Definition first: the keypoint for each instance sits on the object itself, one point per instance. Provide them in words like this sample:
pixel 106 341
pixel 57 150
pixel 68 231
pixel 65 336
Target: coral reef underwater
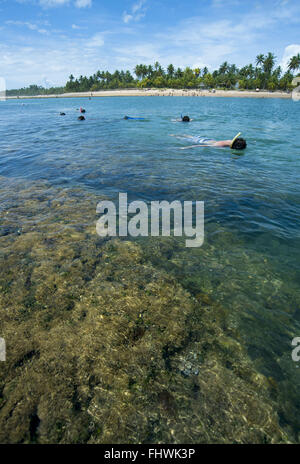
pixel 106 346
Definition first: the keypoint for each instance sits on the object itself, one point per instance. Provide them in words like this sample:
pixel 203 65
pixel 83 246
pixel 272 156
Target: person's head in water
pixel 185 119
pixel 239 144
pixel 81 118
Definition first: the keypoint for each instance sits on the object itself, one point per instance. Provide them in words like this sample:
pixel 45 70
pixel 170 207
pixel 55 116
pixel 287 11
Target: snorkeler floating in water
pixel 237 143
pixel 82 110
pixel 182 119
pixel 185 119
pixel 128 117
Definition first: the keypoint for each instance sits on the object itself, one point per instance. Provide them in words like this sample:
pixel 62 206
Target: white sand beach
pixel 167 93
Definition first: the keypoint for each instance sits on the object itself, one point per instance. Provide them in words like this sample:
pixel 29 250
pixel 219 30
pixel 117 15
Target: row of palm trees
pixel 263 75
pixel 101 80
pixel 35 90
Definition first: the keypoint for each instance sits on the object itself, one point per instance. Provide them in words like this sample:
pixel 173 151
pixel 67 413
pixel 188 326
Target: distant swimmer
pixel 182 119
pixel 81 118
pixel 237 143
pixel 82 110
pixel 128 117
pixel 185 119
pixel 62 114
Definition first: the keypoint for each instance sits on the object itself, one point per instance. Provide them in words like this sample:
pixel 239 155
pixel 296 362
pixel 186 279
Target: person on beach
pixel 237 143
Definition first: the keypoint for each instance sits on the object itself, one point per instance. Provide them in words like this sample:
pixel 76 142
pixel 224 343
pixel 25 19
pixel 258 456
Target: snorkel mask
pixel 236 137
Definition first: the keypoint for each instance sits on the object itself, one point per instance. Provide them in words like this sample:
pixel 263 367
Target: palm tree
pixel 170 70
pixel 269 63
pixel 244 72
pixel 138 70
pixel 251 71
pixel 159 70
pixel 294 63
pixel 128 77
pixel 150 71
pixel 232 69
pixel 223 68
pixel 178 73
pixel 277 72
pixel 260 59
pixel 197 72
pixel 157 66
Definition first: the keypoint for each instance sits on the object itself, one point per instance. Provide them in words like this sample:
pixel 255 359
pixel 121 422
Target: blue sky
pixel 44 41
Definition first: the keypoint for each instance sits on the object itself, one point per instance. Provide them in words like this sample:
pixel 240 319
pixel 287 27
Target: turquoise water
pixel 250 260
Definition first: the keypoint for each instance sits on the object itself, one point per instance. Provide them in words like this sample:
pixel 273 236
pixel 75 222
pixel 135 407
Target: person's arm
pixel 193 146
pixel 220 143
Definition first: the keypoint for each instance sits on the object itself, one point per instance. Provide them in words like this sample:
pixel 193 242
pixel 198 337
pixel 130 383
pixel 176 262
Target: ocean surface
pixel 249 264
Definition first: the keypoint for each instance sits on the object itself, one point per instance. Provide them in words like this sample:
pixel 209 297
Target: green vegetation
pixel 35 90
pixel 264 75
pixel 104 346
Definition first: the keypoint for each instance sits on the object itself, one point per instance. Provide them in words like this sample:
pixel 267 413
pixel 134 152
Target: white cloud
pixel 127 17
pixel 51 3
pixel 137 12
pixel 225 3
pixel 137 6
pixel 289 52
pixel 31 26
pixel 143 52
pixel 55 3
pixel 51 60
pixel 95 41
pixel 75 27
pixel 204 44
pixel 237 40
pixel 83 3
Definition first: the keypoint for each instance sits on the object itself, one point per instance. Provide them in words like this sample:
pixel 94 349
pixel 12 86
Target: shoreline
pixel 163 93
